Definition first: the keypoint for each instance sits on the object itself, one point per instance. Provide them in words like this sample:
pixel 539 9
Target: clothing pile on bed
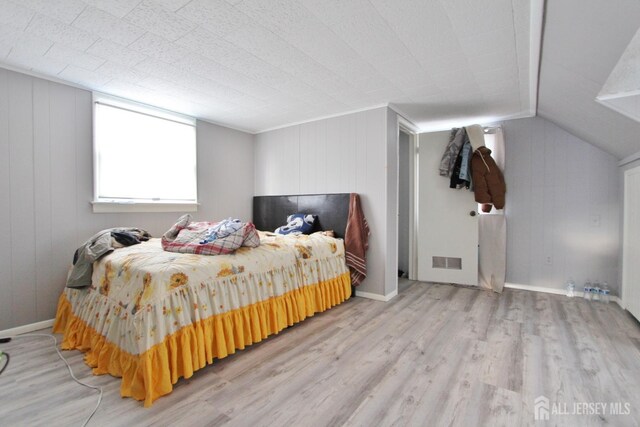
pixel 96 247
pixel 209 238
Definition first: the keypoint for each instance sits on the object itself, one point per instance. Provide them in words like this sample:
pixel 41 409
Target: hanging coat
pixel 456 139
pixel 458 175
pixel 488 181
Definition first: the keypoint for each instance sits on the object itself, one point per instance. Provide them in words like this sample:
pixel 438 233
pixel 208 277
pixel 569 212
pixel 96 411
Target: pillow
pixel 298 224
pixel 328 233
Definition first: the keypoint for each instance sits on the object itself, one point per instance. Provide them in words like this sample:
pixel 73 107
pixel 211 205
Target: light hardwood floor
pixel 434 355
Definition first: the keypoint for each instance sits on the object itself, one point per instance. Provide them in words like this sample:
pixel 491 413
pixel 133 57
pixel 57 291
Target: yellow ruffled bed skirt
pixel 150 375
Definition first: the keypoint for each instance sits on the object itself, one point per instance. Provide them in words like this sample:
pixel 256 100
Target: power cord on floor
pixel 4 356
pixel 55 346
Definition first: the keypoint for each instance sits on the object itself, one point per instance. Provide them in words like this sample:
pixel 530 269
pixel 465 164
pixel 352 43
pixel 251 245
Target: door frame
pixel 411 130
pixel 626 221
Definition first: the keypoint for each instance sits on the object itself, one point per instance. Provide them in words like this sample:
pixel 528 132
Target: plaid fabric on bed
pixel 191 238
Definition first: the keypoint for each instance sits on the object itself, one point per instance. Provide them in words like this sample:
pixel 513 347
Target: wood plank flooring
pixel 436 355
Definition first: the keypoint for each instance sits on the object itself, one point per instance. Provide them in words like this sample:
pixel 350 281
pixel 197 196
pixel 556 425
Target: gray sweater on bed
pixel 97 246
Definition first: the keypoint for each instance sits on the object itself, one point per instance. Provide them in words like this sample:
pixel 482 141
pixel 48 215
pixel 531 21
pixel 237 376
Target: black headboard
pixel 270 212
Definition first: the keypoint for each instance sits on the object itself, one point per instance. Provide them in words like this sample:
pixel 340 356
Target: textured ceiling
pixel 260 64
pixel 583 40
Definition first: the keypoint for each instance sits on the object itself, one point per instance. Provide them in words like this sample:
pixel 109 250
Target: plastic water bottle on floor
pixel 605 293
pixel 586 294
pixel 571 288
pixel 595 291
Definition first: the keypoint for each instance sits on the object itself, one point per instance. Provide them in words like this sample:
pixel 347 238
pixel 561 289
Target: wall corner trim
pixel 542 289
pixel 536 27
pixel 316 119
pixel 31 327
pixel 376 297
pixel 629 159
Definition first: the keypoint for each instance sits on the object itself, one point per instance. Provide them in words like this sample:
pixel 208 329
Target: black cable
pixel 6 363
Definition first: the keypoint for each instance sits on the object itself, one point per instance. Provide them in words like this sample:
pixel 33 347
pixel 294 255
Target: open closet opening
pixel 406 203
pixel 404 192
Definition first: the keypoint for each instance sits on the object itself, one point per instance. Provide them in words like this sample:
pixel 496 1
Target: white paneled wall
pixel 340 155
pixel 46 184
pixel 563 207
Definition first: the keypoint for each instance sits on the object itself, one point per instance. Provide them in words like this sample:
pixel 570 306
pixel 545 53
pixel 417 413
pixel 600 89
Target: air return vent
pixel 446 263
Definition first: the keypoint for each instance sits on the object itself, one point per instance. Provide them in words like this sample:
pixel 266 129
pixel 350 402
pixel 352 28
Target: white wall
pixel 338 155
pixel 225 173
pixel 563 202
pixel 46 184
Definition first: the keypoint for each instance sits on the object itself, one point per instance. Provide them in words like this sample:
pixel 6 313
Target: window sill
pixel 122 207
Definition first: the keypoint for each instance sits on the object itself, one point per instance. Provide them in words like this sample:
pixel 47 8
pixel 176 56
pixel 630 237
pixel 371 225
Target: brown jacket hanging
pixel 488 182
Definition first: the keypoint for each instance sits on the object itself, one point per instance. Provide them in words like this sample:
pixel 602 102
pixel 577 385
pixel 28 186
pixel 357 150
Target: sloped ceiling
pixel 583 40
pixel 260 64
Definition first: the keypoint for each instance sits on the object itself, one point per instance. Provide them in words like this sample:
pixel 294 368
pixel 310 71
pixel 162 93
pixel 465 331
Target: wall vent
pixel 448 263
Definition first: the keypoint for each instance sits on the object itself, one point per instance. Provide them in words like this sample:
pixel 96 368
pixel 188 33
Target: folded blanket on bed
pixel 209 238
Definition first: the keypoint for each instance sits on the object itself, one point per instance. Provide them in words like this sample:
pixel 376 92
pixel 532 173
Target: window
pixel 144 158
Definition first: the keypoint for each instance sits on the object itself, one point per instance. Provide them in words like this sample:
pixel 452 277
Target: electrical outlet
pixel 548 260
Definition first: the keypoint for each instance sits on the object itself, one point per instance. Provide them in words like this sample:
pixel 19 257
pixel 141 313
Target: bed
pixel 151 316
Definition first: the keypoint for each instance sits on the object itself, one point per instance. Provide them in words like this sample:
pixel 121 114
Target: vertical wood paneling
pixel 362 160
pixel 333 179
pixel 23 276
pixel 46 295
pixel 519 203
pixel 307 154
pixel 341 154
pixel 350 157
pixel 261 161
pixel 322 152
pixel 46 185
pixel 556 184
pixel 225 155
pixel 63 178
pixel 6 298
pixel 374 198
pixel 83 137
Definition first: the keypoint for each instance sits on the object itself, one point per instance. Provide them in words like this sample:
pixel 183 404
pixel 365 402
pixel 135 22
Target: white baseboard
pixel 383 298
pixel 555 291
pixel 27 328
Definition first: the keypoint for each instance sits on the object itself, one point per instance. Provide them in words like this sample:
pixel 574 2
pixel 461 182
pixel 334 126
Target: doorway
pixel 407 162
pixel 447 220
pixel 404 203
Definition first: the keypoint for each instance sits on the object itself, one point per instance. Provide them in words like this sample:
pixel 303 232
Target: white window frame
pixel 112 206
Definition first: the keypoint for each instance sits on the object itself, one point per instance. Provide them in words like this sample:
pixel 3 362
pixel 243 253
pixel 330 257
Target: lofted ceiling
pixel 261 64
pixel 583 41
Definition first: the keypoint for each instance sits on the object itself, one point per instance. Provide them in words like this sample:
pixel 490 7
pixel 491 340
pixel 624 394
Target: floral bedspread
pixel 141 294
